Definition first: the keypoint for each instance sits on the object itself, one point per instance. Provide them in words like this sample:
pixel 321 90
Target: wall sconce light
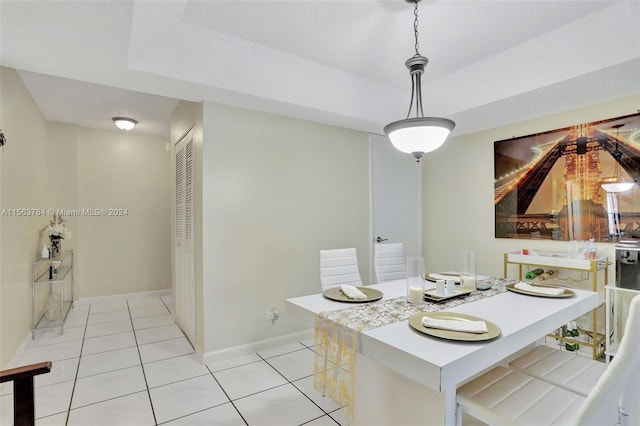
pixel 124 123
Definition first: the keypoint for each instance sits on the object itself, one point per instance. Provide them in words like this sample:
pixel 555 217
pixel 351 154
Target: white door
pixel 396 198
pixel 185 284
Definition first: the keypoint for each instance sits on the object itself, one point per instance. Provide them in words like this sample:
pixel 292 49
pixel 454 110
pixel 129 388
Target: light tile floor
pixel 127 364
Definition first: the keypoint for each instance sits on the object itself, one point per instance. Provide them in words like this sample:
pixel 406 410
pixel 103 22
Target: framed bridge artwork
pixel 551 185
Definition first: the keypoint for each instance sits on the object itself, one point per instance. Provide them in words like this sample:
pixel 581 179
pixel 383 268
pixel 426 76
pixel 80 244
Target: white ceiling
pixel 334 61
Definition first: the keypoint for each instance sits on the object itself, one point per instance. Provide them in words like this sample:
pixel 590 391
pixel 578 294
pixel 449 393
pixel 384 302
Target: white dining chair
pixel 509 397
pixel 339 266
pixel 564 369
pixel 390 263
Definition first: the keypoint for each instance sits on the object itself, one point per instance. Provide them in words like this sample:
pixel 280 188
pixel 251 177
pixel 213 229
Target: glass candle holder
pixel 468 270
pixel 415 280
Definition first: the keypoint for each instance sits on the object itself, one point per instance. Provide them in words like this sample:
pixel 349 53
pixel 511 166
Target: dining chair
pixel 505 396
pixel 564 369
pixel 339 266
pixel 390 263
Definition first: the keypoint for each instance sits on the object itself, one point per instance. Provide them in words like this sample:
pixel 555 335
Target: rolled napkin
pixel 540 290
pixel 433 276
pixel 456 325
pixel 352 292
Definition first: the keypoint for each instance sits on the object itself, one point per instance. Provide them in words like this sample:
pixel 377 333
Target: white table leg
pixel 450 408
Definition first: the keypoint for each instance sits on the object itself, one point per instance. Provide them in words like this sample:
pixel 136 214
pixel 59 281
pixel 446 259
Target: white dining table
pixel 404 377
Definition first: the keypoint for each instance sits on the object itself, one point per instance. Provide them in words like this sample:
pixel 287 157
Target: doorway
pixel 396 199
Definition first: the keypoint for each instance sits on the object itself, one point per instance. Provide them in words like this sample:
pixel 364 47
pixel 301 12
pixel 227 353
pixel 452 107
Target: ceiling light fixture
pixel 124 123
pixel 616 183
pixel 420 134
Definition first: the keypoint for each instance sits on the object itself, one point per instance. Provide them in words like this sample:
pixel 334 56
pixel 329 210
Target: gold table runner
pixel 337 333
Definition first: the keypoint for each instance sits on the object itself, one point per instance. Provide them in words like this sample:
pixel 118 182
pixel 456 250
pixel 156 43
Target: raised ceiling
pixel 339 62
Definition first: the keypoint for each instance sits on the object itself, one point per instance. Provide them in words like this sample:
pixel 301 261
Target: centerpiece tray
pixel 433 296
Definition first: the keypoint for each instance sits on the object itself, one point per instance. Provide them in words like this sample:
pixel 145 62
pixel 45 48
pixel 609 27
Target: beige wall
pixel 126 253
pixel 459 177
pixel 275 191
pixel 24 180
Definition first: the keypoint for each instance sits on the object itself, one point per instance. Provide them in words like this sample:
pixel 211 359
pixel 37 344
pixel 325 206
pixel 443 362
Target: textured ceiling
pixel 334 61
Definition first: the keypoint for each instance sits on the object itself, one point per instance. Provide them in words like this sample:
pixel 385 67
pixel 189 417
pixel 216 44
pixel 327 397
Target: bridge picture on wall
pixel 549 185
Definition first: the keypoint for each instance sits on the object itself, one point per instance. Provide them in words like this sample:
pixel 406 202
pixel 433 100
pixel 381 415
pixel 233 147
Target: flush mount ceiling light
pixel 616 183
pixel 420 134
pixel 124 123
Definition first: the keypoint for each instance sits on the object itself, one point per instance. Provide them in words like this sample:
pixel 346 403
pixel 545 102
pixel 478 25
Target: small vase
pixel 52 310
pixel 56 246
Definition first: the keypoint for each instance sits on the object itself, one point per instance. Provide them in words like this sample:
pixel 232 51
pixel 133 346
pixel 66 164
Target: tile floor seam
pixel 292 384
pixel 157 341
pixel 258 392
pixel 313 420
pixel 163 359
pixel 165 305
pixel 75 379
pixel 108 399
pixel 326 412
pixel 148 316
pixel 144 374
pixel 227 395
pixel 283 353
pixel 196 412
pixel 110 350
pixel 109 371
pixel 235 366
pixel 177 381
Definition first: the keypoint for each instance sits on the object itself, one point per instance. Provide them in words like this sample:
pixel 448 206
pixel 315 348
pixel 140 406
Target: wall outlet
pixel 272 315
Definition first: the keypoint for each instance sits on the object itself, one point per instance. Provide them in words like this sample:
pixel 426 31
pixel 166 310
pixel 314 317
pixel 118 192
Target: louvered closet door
pixel 185 285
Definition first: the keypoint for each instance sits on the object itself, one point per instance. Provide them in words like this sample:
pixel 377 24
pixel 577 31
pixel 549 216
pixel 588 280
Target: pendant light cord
pixel 415 27
pixel 416 84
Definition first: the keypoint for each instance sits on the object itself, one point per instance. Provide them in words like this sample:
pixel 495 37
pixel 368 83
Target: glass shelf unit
pixel 40 277
pixel 559 261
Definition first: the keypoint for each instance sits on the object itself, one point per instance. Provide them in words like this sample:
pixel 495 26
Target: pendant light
pixel 420 134
pixel 616 183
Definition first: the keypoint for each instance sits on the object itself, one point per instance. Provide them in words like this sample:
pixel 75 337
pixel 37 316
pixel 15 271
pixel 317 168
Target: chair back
pixel 389 262
pixel 620 383
pixel 339 266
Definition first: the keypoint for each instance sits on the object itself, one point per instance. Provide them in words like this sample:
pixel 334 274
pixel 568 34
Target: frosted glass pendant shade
pixel 418 136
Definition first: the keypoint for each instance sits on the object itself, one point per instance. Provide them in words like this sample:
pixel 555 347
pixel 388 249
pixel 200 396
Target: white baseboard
pixel 121 297
pixel 253 347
